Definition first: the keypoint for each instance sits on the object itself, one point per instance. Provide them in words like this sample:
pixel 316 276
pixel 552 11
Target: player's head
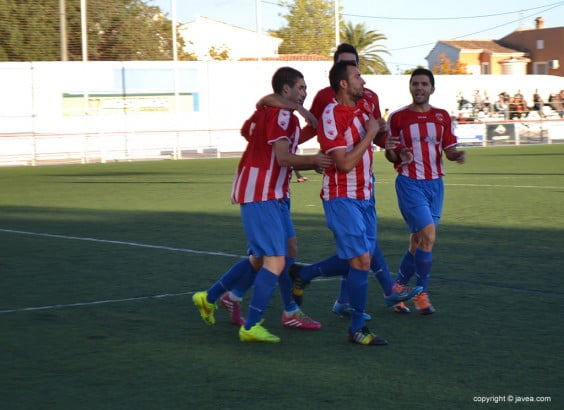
pixel 423 71
pixel 344 76
pixel 345 52
pixel 289 83
pixel 421 86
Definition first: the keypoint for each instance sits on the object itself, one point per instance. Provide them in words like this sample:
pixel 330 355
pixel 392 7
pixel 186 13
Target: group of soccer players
pixel 347 121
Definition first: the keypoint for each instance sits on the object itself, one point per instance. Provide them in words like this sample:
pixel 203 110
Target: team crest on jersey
pixel 283 119
pixel 439 116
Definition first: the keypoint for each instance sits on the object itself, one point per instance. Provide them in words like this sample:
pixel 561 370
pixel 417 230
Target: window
pixel 540 44
pixel 540 67
pixel 485 68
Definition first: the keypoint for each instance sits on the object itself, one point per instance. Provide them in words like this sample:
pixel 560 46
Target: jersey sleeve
pixel 449 139
pixel 320 101
pixel 329 135
pixel 279 126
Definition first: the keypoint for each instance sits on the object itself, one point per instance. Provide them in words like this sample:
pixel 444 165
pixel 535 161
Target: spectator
pixel 538 102
pixel 500 106
pixel 557 102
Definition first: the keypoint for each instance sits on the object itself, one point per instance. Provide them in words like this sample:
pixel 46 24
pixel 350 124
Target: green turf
pixel 497 285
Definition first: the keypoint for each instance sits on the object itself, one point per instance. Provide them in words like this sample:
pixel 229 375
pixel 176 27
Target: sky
pixel 412 28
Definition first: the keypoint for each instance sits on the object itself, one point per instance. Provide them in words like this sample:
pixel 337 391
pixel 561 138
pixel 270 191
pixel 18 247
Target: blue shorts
pixel 353 223
pixel 420 201
pixel 268 227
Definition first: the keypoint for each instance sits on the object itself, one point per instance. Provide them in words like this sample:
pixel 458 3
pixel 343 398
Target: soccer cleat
pixel 344 309
pixel 298 284
pixel 257 333
pixel 365 337
pixel 423 305
pixel 234 309
pixel 299 320
pixel 206 308
pixel 401 293
pixel 401 308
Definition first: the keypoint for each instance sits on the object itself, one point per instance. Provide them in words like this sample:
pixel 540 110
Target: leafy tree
pixel 448 67
pixel 217 53
pixel 310 29
pixel 366 44
pixel 117 30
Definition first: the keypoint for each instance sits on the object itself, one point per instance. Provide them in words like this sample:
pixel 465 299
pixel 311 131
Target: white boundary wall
pixel 35 127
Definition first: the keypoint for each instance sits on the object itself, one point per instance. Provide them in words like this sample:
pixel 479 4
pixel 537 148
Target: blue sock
pixel 423 262
pixel 229 279
pixel 332 266
pixel 380 268
pixel 244 283
pixel 357 282
pixel 343 297
pixel 265 283
pixel 285 285
pixel 407 268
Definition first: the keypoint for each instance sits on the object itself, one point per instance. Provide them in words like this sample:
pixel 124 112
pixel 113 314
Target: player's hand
pixel 456 155
pixel 308 117
pixel 392 142
pixel 372 125
pixel 406 156
pixel 322 161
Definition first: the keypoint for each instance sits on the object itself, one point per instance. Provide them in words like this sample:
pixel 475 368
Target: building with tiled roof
pixel 531 51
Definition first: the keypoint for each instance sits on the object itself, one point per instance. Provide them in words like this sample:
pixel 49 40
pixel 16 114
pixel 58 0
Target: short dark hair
pixel 345 48
pixel 283 76
pixel 339 72
pixel 423 71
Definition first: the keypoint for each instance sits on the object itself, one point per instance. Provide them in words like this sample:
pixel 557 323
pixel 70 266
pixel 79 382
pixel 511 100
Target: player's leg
pixel 265 231
pixel 292 317
pixel 206 301
pixel 351 222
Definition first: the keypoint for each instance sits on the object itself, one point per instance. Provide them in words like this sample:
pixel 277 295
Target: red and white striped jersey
pixel 428 134
pixel 369 102
pixel 259 177
pixel 343 127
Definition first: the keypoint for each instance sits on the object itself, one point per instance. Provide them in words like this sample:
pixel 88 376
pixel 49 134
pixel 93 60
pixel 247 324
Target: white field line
pixel 124 243
pixel 173 249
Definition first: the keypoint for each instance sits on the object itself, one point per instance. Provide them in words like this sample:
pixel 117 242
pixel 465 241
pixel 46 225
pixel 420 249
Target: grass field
pixel 99 263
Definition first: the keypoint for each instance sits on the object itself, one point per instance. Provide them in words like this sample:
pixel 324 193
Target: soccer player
pixel 346 133
pixel 261 189
pixel 418 134
pixel 370 102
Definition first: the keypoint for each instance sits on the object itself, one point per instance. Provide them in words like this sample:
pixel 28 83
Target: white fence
pixel 55 112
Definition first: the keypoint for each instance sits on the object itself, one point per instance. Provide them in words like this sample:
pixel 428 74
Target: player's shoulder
pixel 369 95
pixel 400 112
pixel 440 114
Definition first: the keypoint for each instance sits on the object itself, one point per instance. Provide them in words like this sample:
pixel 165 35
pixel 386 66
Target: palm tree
pixel 366 44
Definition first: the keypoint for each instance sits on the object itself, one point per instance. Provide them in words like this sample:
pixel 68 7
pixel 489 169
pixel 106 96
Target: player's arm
pixel 396 152
pixel 307 133
pixel 380 138
pixel 286 159
pixel 346 161
pixel 276 100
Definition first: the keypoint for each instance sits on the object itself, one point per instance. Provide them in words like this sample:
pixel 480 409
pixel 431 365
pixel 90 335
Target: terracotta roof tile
pixel 290 57
pixel 486 45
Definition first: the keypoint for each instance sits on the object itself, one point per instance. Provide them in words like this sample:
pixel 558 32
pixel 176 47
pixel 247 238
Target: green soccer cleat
pixel 206 308
pixel 257 333
pixel 365 337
